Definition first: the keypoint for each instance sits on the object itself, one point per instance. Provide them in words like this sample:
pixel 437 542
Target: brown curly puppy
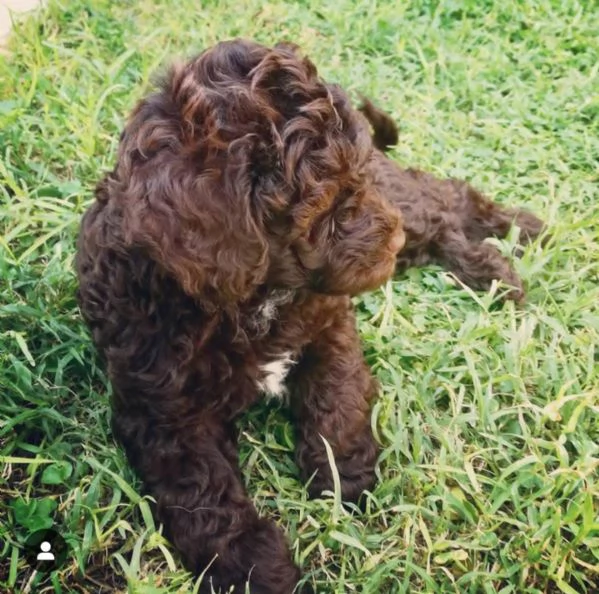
pixel 446 221
pixel 220 253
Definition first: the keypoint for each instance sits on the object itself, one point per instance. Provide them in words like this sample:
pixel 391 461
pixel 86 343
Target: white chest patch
pixel 274 374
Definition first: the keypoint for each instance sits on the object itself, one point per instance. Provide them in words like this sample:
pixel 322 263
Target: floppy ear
pixel 196 223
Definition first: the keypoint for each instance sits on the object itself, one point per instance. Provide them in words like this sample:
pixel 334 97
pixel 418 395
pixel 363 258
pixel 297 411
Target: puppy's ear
pixel 195 222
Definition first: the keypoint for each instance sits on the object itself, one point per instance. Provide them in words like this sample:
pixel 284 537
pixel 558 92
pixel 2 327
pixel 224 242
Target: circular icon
pixel 45 550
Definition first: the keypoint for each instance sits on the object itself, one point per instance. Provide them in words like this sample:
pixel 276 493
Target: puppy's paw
pixel 512 288
pixel 355 471
pixel 263 552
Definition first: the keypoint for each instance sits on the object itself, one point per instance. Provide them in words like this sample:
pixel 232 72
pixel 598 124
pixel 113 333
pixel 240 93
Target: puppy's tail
pixel 385 131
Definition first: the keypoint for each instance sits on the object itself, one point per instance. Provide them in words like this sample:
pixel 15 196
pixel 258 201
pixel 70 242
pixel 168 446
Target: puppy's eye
pixel 341 218
pixel 332 226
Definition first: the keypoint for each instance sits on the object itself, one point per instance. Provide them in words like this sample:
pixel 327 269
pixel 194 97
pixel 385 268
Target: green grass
pixel 488 417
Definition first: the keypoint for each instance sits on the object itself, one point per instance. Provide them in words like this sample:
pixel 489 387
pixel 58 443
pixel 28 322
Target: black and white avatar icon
pixel 45 555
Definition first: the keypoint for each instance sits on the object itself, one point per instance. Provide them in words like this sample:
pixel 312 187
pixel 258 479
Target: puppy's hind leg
pixel 484 218
pixel 476 264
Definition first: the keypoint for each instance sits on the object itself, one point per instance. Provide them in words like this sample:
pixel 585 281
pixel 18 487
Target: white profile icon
pixel 45 555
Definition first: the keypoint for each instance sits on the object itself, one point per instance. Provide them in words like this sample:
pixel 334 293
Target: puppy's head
pixel 246 170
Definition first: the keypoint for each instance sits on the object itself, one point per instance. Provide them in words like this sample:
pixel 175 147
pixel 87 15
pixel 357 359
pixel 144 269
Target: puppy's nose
pixel 397 241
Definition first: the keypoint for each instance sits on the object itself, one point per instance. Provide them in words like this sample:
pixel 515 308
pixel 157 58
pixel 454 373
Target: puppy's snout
pixel 398 239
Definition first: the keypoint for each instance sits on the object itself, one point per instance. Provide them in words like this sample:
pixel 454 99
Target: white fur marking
pixel 268 309
pixel 275 373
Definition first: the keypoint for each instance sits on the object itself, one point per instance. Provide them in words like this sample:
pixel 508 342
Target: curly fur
pixel 446 221
pixel 240 217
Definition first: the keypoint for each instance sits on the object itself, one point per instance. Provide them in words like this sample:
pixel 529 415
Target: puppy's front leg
pixel 331 391
pixel 190 468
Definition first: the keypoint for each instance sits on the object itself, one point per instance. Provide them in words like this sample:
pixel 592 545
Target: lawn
pixel 488 416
